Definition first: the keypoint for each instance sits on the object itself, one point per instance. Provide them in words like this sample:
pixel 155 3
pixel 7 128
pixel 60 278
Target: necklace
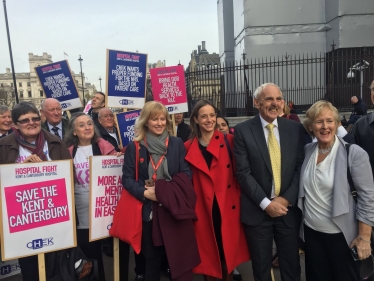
pixel 82 150
pixel 203 143
pixel 326 150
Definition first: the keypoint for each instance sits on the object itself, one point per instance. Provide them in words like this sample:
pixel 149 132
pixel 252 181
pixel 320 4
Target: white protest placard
pixel 37 204
pixel 105 191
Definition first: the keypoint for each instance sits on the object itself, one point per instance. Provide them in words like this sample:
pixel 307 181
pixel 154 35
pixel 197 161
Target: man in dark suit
pixel 5 121
pixel 363 132
pixel 54 123
pixel 269 153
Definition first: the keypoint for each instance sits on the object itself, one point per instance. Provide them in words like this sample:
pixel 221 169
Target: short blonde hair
pixel 315 110
pixel 150 110
pixel 286 109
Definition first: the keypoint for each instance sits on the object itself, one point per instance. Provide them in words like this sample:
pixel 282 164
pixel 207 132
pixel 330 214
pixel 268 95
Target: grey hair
pixel 262 87
pixel 3 109
pixel 70 139
pixel 102 109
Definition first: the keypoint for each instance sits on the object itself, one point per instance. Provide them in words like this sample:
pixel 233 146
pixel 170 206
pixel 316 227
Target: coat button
pixel 233 207
pixel 160 205
pixel 221 145
pixel 217 137
pixel 228 165
pixel 229 186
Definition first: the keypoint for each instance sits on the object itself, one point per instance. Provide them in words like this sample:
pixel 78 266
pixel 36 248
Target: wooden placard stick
pixel 116 260
pixel 174 127
pixel 41 265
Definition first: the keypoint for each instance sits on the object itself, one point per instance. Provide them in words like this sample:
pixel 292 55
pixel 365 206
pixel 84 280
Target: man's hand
pixel 276 209
pixel 282 200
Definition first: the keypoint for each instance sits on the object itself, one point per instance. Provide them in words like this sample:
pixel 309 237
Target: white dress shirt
pixel 59 126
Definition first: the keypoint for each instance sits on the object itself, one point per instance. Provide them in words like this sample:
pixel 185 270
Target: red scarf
pixel 36 148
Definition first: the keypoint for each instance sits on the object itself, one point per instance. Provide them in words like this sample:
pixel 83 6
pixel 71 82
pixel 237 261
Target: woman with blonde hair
pixel 334 222
pixel 164 188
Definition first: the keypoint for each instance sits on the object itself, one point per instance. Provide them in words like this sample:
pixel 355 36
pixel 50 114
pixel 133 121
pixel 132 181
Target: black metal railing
pixel 303 79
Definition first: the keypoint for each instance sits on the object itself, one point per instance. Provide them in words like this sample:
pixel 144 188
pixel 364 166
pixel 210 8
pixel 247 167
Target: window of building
pixel 2 84
pixel 41 93
pixel 28 84
pixel 29 94
pixel 11 84
pixel 21 94
pixel 20 84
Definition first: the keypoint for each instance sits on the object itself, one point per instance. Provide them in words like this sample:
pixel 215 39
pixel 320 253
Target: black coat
pixel 183 131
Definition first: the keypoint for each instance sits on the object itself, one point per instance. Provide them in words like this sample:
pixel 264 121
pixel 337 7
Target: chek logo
pixel 126 102
pixel 172 108
pixel 9 268
pixel 65 105
pixel 40 243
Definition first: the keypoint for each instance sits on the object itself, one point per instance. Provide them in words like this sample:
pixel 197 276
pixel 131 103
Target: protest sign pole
pixel 173 122
pixel 116 258
pixel 41 265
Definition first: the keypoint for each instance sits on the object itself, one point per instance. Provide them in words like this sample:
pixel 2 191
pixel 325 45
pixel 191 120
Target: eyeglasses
pixel 108 116
pixel 28 120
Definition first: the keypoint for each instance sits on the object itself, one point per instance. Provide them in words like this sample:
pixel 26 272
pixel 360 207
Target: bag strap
pixel 136 160
pixel 349 176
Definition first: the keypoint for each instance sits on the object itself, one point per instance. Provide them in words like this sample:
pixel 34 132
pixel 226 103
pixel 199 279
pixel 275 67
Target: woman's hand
pixel 32 159
pixel 150 193
pixel 363 247
pixel 118 154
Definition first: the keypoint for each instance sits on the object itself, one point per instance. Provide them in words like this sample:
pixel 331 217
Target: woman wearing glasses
pixel 30 143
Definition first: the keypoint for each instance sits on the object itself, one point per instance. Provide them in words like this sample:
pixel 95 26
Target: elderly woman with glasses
pixel 29 143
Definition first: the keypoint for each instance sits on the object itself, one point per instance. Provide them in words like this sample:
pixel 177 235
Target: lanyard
pixel 155 167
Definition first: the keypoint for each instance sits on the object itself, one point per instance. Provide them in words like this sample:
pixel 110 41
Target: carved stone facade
pixel 28 86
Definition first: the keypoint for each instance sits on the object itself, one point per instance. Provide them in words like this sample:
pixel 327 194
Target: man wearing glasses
pixel 54 123
pixel 363 131
pixel 107 127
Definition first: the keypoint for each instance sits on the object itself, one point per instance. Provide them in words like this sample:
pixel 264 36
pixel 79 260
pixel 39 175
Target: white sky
pixel 164 29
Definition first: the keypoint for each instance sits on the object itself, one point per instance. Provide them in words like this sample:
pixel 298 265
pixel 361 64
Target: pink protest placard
pixel 37 208
pixel 105 192
pixel 37 204
pixel 169 88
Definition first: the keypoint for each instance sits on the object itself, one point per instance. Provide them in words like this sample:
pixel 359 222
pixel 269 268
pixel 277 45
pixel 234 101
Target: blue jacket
pixel 176 164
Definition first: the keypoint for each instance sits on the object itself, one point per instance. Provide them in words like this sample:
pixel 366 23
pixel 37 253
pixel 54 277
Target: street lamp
pixel 361 66
pixel 84 99
pixel 100 83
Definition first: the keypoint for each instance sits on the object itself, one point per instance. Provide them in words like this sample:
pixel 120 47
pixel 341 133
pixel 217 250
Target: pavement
pixel 245 270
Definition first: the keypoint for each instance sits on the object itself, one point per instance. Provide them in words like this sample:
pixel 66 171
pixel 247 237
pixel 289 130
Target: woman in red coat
pixel 220 235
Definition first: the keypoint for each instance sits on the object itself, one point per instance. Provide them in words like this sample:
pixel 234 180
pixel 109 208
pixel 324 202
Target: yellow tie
pixel 275 158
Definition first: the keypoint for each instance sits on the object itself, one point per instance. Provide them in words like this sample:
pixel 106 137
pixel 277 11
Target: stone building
pixel 28 86
pixel 203 76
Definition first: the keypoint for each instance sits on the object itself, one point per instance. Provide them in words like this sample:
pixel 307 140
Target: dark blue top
pixel 175 156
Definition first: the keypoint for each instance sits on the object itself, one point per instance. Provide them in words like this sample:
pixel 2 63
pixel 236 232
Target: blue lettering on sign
pixel 40 243
pixel 126 102
pixel 172 108
pixel 65 105
pixel 7 269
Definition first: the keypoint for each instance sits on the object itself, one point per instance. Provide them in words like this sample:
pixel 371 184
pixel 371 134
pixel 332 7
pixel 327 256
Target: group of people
pixel 212 197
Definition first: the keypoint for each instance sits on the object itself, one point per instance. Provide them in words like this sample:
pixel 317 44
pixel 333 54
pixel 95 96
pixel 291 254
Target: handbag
pixel 367 265
pixel 127 218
